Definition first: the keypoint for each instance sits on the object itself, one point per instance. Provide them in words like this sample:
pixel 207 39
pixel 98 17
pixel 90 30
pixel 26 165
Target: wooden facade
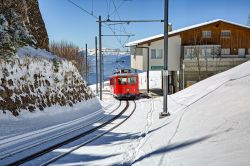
pixel 239 36
pixel 206 49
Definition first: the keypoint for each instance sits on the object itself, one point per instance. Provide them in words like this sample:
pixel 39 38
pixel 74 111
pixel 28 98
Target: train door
pixel 133 84
pixel 122 82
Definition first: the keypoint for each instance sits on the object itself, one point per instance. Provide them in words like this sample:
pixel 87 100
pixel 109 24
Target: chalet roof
pixel 175 32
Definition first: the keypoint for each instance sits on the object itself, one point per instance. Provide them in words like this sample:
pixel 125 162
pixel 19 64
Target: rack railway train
pixel 124 84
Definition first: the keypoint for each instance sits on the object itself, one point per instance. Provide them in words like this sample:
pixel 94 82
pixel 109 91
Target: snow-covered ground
pixel 209 125
pixel 28 122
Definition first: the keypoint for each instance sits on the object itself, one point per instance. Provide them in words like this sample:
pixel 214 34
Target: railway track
pixel 7 142
pixel 53 143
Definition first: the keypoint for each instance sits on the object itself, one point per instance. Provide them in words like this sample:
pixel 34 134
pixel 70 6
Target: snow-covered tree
pixel 13 34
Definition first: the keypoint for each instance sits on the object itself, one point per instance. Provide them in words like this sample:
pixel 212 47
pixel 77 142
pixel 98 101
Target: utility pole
pixel 118 21
pixel 100 54
pixel 86 62
pixel 96 65
pixel 148 71
pixel 183 70
pixel 165 68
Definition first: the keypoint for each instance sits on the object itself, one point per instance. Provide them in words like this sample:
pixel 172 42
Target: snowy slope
pixel 209 125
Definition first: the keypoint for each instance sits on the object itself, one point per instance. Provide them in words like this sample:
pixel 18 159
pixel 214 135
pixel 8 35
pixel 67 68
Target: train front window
pixel 131 80
pixel 122 81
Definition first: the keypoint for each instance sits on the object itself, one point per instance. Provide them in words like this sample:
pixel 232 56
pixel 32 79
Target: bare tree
pixel 196 50
pixel 70 52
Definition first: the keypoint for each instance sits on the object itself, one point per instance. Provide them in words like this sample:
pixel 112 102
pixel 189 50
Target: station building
pixel 195 52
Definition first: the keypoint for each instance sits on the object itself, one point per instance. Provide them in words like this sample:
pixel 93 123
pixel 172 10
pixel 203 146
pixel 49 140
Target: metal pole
pixel 100 54
pixel 119 35
pixel 86 61
pixel 96 65
pixel 183 82
pixel 165 68
pixel 148 70
pixel 131 21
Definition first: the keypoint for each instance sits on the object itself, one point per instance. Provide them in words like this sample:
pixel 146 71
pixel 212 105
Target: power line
pixel 118 15
pixel 122 25
pixel 91 14
pixel 94 16
pixel 120 5
pixel 108 8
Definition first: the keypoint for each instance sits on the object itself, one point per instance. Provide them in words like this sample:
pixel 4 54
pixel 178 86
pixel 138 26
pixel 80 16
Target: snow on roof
pixel 134 43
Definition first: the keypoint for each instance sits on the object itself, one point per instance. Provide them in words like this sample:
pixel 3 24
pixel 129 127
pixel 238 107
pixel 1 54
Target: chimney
pixel 169 27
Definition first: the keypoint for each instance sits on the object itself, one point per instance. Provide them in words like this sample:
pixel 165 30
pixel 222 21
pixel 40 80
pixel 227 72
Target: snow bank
pixel 54 115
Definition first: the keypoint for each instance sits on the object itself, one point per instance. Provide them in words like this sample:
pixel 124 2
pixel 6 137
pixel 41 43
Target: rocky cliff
pixel 30 77
pixel 29 18
pixel 35 79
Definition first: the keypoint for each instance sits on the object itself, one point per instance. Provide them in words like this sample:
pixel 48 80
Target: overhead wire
pixel 92 14
pixel 122 25
pixel 120 5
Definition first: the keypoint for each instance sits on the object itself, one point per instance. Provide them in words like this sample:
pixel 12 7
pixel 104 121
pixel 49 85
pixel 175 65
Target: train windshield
pixel 131 80
pixel 122 80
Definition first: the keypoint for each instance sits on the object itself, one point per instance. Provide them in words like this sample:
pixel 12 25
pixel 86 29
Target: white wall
pixel 174 52
pixel 136 58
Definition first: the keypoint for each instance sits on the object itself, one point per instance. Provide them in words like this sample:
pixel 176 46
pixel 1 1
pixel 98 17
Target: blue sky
pixel 64 21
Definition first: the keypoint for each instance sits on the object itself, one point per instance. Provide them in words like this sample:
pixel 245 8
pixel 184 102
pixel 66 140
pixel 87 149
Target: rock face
pixel 36 79
pixel 29 13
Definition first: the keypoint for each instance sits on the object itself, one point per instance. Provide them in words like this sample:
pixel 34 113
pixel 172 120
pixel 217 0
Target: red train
pixel 124 85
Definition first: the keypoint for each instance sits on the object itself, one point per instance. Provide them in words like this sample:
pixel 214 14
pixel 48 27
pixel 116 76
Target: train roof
pixel 125 74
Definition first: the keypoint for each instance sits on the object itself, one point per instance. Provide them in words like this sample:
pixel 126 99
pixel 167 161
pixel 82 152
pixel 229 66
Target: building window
pixel 242 52
pixel 206 34
pixel 225 33
pixel 156 53
pixel 206 52
pixel 225 51
pixel 188 53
